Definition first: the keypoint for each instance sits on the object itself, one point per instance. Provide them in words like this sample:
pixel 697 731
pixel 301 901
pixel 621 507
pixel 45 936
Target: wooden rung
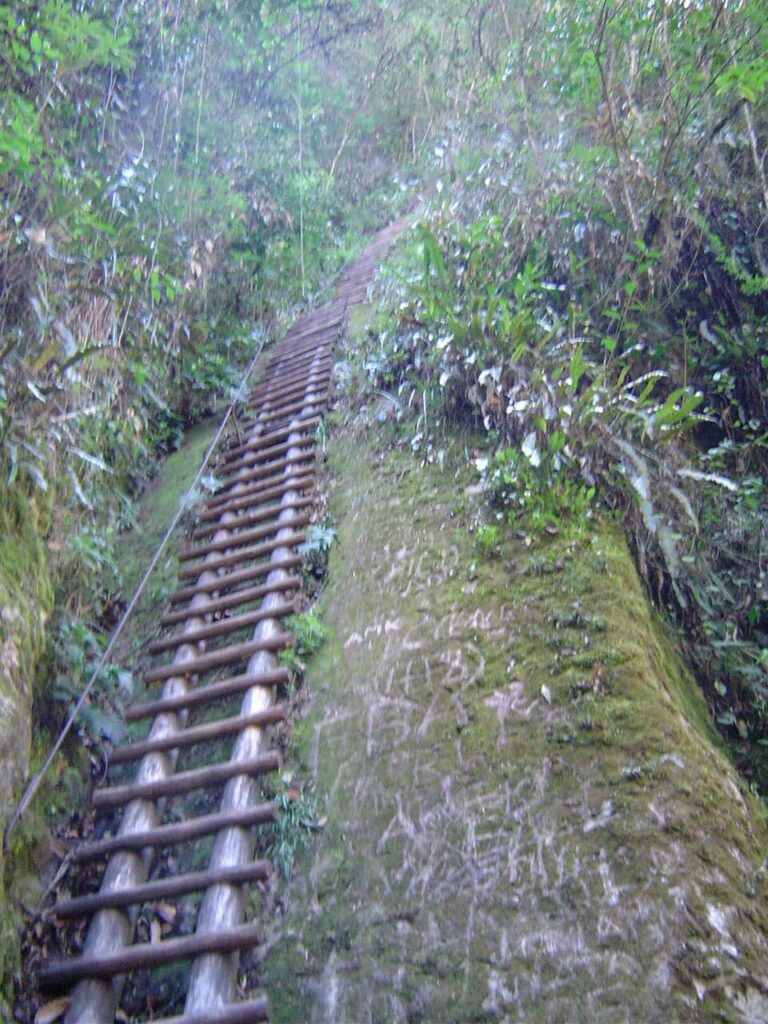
pixel 245 554
pixel 255 458
pixel 257 440
pixel 231 579
pixel 286 410
pixel 297 386
pixel 259 492
pixel 254 489
pixel 317 379
pixel 206 694
pixel 222 627
pixel 315 352
pixel 252 1012
pixel 162 889
pixel 259 515
pixel 234 600
pixel 147 955
pixel 215 659
pixel 241 538
pixel 298 338
pixel 316 375
pixel 178 832
pixel 293 369
pixel 184 782
pixel 199 734
pixel 269 469
pixel 311 330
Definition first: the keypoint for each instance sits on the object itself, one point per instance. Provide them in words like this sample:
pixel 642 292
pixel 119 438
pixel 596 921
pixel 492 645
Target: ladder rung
pixel 222 627
pixel 148 955
pixel 203 694
pixel 178 832
pixel 163 888
pixel 217 658
pixel 182 782
pixel 198 734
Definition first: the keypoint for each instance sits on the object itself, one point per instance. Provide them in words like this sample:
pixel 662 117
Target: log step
pixel 258 515
pixel 199 734
pixel 241 538
pixel 291 370
pixel 255 443
pixel 252 1012
pixel 204 694
pixel 297 387
pixel 184 782
pixel 234 600
pixel 231 579
pixel 287 410
pixel 254 489
pixel 264 455
pixel 148 955
pixel 244 498
pixel 222 627
pixel 215 659
pixel 163 889
pixel 178 832
pixel 245 554
pixel 269 469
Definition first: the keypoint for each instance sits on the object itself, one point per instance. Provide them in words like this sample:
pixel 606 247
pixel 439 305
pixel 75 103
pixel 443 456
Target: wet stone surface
pixel 495 851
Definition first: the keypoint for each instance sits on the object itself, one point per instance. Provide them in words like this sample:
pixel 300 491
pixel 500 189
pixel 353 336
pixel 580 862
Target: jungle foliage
pixel 590 284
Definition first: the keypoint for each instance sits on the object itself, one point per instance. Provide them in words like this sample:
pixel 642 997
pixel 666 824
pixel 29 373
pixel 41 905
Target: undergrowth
pixel 490 323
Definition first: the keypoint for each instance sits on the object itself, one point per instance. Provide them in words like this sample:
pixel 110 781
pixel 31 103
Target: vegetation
pixel 590 283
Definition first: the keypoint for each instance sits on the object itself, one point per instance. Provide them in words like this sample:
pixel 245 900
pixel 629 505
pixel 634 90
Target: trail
pixel 221 637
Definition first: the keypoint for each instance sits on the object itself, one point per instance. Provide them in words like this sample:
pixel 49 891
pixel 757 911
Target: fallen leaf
pixel 52 1011
pixel 35 235
pixel 546 693
pixel 166 912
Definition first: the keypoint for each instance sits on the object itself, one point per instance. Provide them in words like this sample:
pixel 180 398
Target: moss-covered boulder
pixel 529 816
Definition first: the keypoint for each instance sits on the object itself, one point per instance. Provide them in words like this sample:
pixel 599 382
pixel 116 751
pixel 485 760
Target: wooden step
pixel 233 600
pixel 253 443
pixel 245 554
pixel 249 496
pixel 162 889
pixel 178 832
pixel 204 694
pixel 218 658
pixel 252 1012
pixel 269 469
pixel 222 627
pixel 199 734
pixel 111 797
pixel 148 955
pixel 231 579
pixel 241 537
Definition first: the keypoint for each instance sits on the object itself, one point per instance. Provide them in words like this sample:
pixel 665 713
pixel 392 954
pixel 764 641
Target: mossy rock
pixel 530 816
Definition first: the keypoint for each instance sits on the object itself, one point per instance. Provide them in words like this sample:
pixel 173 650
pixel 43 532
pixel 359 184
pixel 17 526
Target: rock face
pixel 529 817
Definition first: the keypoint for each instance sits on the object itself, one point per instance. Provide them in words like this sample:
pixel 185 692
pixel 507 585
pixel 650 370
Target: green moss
pixel 26 602
pixel 160 503
pixel 458 793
